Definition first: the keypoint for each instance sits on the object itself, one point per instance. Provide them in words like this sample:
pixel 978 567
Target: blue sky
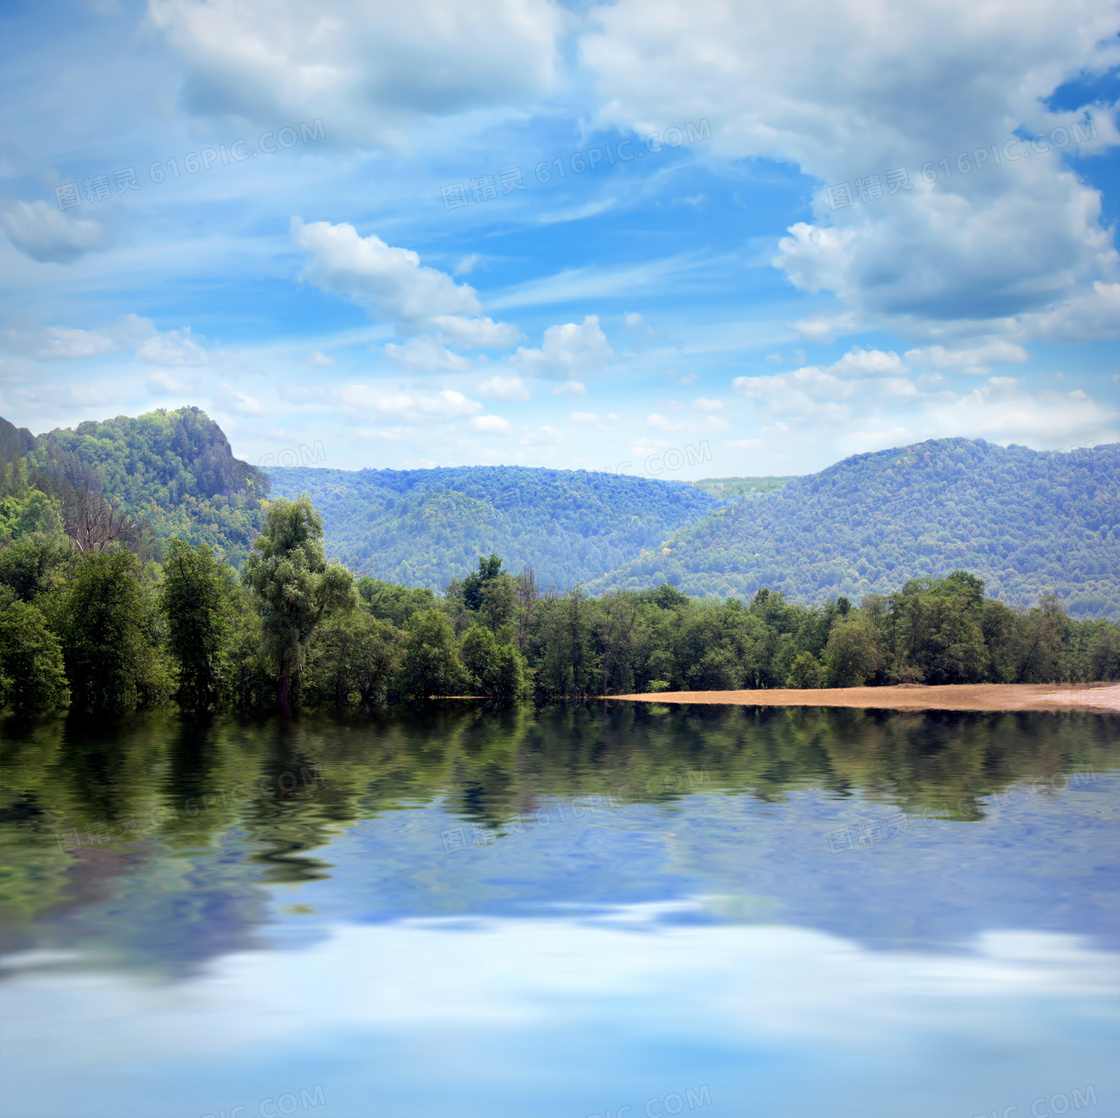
pixel 769 278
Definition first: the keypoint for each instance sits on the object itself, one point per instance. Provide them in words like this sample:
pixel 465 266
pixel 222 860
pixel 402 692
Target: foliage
pixel 293 585
pixel 171 474
pixel 197 600
pixel 427 527
pixel 32 675
pixel 107 623
pixel 1026 523
pixel 430 663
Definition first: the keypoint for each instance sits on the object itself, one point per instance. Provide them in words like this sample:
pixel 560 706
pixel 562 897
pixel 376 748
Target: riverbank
pixel 912 696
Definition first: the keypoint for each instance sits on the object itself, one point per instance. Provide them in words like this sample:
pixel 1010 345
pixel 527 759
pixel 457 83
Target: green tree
pixel 497 669
pixel 351 659
pixel 106 620
pixel 853 654
pixel 293 585
pixel 805 672
pixel 430 663
pixel 197 601
pixel 32 674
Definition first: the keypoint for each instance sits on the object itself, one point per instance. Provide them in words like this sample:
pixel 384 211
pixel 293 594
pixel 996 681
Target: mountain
pixel 174 473
pixel 1026 522
pixel 426 527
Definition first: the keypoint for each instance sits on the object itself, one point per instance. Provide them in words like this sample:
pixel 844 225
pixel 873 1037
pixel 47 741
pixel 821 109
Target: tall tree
pixel 293 586
pixel 197 601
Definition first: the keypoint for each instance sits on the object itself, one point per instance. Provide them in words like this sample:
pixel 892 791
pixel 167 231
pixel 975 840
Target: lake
pixel 616 910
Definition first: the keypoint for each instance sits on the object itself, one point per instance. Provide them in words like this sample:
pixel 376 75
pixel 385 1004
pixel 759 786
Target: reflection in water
pixel 640 901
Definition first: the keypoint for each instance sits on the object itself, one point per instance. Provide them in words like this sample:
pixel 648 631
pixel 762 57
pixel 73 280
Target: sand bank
pixel 964 696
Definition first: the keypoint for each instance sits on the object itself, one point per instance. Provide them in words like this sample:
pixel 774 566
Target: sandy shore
pixel 978 696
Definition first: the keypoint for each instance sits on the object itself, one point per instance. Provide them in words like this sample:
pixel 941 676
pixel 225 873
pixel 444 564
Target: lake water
pixel 720 911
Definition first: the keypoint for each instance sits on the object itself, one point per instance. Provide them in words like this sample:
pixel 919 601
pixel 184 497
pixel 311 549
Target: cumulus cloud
pixel 320 360
pixel 977 361
pixel 573 388
pixel 239 401
pixel 153 347
pixel 48 235
pixel 503 388
pixel 395 286
pixel 583 417
pixel 392 281
pixel 701 403
pixel 370 404
pixel 821 328
pixel 566 351
pixel 1015 249
pixel 369 71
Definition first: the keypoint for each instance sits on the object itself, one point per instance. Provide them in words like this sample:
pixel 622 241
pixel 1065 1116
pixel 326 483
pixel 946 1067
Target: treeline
pixel 107 630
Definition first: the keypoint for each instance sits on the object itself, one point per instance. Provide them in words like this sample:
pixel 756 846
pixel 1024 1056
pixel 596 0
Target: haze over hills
pixel 1026 522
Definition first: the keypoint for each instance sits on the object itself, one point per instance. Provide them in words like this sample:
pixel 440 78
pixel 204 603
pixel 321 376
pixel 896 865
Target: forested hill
pixel 426 527
pixel 1026 522
pixel 172 473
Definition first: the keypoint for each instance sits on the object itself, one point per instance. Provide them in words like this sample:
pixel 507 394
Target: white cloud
pixel 391 281
pixel 467 264
pixel 240 402
pixel 543 436
pixel 567 350
pixel 175 347
pixel 977 361
pixel 703 404
pixel 369 71
pixel 163 383
pixel 583 417
pixel 572 388
pixel 503 388
pixel 423 355
pixel 822 328
pixel 632 320
pixel 368 403
pixel 494 424
pixel 477 333
pixel 869 363
pixel 320 360
pixel 1015 249
pixel 49 235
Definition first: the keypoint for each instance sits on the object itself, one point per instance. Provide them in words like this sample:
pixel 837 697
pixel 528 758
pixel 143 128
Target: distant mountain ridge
pixel 426 527
pixel 1025 521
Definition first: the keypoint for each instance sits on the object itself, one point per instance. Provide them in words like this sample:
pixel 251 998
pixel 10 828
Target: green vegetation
pixel 730 488
pixel 108 632
pixel 427 527
pixel 1026 523
pixel 137 481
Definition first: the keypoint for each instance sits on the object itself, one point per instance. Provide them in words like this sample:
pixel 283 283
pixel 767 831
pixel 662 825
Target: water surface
pixel 562 913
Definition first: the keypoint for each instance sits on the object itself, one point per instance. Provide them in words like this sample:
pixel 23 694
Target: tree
pixel 852 653
pixel 430 662
pixel 805 672
pixel 293 586
pixel 105 619
pixel 32 675
pixel 351 659
pixel 197 602
pixel 497 669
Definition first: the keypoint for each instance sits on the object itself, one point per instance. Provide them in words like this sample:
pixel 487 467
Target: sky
pixel 669 239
